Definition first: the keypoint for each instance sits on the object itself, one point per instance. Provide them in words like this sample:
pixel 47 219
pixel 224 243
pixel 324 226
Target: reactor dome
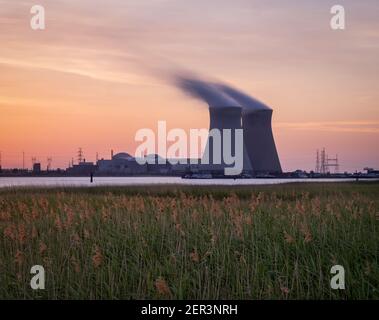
pixel 122 156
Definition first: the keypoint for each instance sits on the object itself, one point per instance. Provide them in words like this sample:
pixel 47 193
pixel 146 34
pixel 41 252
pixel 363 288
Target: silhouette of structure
pixel 260 142
pixel 258 137
pixel 223 118
pixel 324 163
pixel 230 108
pixel 49 162
pixel 80 155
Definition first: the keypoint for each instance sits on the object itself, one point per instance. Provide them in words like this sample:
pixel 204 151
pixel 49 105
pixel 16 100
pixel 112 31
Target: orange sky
pixel 92 78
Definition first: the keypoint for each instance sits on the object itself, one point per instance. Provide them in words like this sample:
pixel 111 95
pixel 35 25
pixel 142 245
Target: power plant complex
pixel 230 110
pixel 249 141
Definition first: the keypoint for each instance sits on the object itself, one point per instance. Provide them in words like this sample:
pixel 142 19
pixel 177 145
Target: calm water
pixel 135 181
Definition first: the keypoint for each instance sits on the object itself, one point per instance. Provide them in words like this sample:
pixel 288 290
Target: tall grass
pixel 276 242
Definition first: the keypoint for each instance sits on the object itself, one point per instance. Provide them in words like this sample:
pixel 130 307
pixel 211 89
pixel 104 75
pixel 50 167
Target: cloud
pixel 332 126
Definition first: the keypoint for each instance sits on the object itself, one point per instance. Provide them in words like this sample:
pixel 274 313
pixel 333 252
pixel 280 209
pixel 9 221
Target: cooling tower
pixel 260 142
pixel 224 118
pixel 257 128
pixel 230 108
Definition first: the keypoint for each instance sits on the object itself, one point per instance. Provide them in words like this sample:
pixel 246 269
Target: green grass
pixel 269 242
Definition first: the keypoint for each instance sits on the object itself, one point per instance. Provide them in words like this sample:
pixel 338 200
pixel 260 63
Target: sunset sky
pixel 93 77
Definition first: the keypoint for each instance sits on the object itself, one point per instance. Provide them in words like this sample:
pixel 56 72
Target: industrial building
pixel 120 164
pixel 123 164
pixel 36 167
pixel 84 168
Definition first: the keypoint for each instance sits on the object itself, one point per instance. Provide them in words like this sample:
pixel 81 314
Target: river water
pixel 137 181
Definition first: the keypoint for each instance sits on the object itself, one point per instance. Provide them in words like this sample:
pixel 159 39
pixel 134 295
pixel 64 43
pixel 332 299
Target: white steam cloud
pixel 217 95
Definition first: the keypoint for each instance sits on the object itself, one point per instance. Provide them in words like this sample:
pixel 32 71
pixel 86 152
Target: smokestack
pixel 260 142
pixel 111 153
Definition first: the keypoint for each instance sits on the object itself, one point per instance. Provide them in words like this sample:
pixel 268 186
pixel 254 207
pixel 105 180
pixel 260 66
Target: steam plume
pixel 217 95
pixel 249 103
pixel 205 91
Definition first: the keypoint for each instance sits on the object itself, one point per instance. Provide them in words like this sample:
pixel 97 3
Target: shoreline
pixel 77 182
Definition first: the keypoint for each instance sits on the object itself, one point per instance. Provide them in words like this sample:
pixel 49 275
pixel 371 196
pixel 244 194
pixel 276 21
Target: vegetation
pixel 271 242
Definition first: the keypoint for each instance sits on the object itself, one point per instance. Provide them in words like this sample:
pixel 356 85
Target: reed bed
pixel 171 242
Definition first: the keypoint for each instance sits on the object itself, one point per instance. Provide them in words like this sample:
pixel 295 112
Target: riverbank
pixel 42 182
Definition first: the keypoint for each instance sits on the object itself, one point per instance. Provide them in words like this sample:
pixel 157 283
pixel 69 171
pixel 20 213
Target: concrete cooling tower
pixel 258 137
pixel 259 141
pixel 230 108
pixel 224 118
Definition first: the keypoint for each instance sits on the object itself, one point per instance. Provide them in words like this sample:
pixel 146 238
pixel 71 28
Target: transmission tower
pixel 80 155
pixel 49 161
pixel 333 163
pixel 318 161
pixel 324 163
